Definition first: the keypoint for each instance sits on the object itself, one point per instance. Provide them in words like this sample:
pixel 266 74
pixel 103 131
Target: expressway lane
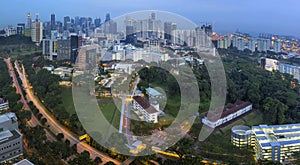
pixel 34 121
pixel 56 127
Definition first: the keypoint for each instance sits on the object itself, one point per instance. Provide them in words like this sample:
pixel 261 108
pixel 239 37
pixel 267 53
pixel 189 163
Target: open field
pixel 108 108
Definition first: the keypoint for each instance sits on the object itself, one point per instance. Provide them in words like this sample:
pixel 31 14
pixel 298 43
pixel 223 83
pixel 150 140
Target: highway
pixel 55 126
pixel 34 121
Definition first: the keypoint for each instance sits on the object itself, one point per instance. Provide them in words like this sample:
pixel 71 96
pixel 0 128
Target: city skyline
pixel 226 17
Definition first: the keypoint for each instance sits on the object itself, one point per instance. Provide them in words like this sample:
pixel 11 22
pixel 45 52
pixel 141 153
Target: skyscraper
pixel 37 30
pixel 66 21
pixel 97 22
pixel 107 18
pixel 53 27
pixel 28 21
pixel 168 28
pixel 153 16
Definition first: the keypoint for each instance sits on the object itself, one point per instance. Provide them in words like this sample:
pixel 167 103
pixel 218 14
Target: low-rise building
pixel 230 112
pixel 154 93
pixel 11 145
pixel 3 104
pixel 241 136
pixel 269 64
pixel 270 142
pixel 145 110
pixel 290 69
pixel 276 143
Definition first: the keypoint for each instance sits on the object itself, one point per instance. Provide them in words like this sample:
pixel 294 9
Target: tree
pixel 98 160
pixel 43 121
pixel 60 136
pixel 109 163
pixel 24 115
pixel 182 147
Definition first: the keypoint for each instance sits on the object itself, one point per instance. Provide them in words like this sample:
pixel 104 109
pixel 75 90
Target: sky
pixel 252 16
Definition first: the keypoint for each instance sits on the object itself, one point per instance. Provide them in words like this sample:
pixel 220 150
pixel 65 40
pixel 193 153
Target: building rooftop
pixel 275 135
pixel 153 92
pixel 145 104
pixel 6 136
pixel 229 109
pixel 24 162
pixel 292 66
pixel 8 116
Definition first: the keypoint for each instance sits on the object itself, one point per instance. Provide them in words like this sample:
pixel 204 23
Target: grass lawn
pixel 108 109
pixel 254 118
pixel 218 145
pixel 111 112
pixel 68 100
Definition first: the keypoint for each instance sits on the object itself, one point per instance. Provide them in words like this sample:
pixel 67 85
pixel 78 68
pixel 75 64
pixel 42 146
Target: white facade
pixel 3 104
pixel 127 68
pixel 11 145
pixel 276 142
pixel 37 32
pixel 225 118
pixel 149 113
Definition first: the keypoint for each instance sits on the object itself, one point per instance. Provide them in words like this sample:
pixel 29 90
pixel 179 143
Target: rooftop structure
pixel 154 93
pixel 277 142
pixel 241 136
pixel 11 144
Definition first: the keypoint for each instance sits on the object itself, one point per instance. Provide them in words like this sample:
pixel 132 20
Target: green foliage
pixel 47 88
pixel 15 40
pixel 268 91
pixel 83 158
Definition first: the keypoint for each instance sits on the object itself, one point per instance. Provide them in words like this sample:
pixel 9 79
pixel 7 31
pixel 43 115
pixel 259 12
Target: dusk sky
pixel 252 16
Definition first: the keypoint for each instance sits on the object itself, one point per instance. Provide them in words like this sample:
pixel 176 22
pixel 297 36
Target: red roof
pixel 229 109
pixel 145 104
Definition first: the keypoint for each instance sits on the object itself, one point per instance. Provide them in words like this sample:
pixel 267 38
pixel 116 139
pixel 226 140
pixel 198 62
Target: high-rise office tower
pixel 130 35
pixel 37 30
pixel 107 18
pixel 97 22
pixel 28 21
pixel 169 27
pixel 66 21
pixel 153 16
pixel 37 19
pixel 53 27
pixel 77 21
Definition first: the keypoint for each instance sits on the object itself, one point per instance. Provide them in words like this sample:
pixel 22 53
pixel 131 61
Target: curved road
pixel 56 127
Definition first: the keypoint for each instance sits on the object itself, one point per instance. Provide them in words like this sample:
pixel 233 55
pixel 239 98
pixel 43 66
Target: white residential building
pixel 146 111
pixel 230 112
